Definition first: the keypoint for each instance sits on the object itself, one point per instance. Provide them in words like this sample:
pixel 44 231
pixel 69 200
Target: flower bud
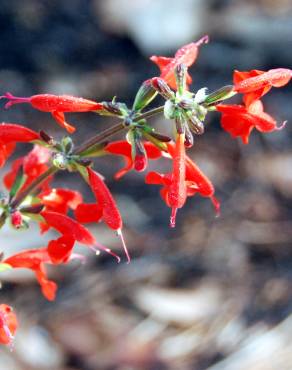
pixel 181 77
pixel 16 220
pixel 144 96
pixel 169 109
pixel 161 86
pixel 60 161
pixel 189 139
pixel 115 109
pixel 196 126
pixel 223 93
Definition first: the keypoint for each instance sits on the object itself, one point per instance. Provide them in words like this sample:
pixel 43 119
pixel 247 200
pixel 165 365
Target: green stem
pixel 99 138
pixel 150 113
pixel 33 186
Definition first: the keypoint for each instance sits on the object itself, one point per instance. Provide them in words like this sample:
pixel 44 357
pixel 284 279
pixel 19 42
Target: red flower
pixel 254 84
pixel 8 324
pixel 73 229
pixel 60 250
pixel 176 195
pixel 10 134
pixel 124 149
pixel 56 105
pixel 35 259
pixel 175 190
pixel 34 164
pixel 60 201
pixel 187 55
pixel 106 206
pixel 240 120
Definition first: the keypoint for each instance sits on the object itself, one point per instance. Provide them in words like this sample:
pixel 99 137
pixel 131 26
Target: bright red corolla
pixel 73 229
pixel 123 148
pixel 187 55
pixel 35 259
pixel 60 201
pixel 177 195
pixel 240 120
pixel 56 105
pixel 10 134
pixel 8 324
pixel 107 205
pixel 254 84
pixel 175 189
pixel 33 164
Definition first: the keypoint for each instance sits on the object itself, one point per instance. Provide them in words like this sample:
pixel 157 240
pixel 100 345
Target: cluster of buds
pixel 31 197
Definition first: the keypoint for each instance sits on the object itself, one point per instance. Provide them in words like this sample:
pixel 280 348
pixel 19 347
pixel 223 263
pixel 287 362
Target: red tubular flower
pixel 8 324
pixel 254 84
pixel 10 134
pixel 194 182
pixel 56 105
pixel 123 148
pixel 60 250
pixel 110 212
pixel 177 189
pixel 240 120
pixel 35 259
pixel 34 164
pixel 71 228
pixel 60 201
pixel 88 212
pixel 187 55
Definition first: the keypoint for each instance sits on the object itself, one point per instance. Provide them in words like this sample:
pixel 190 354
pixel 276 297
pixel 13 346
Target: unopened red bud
pixel 140 162
pixel 16 219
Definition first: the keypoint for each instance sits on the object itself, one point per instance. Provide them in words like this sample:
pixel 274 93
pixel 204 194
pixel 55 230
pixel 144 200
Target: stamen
pixel 216 205
pixel 278 128
pixel 120 234
pixel 173 217
pixel 105 249
pixel 203 40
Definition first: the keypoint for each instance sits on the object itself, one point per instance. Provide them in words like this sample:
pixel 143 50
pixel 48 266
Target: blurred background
pixel 215 293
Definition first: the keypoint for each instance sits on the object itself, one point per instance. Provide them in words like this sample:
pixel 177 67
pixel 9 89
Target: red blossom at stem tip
pixel 71 228
pixel 10 134
pixel 108 207
pixel 240 120
pixel 186 55
pixel 57 105
pixel 35 259
pixel 60 201
pixel 172 184
pixel 8 324
pixel 123 148
pixel 254 84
